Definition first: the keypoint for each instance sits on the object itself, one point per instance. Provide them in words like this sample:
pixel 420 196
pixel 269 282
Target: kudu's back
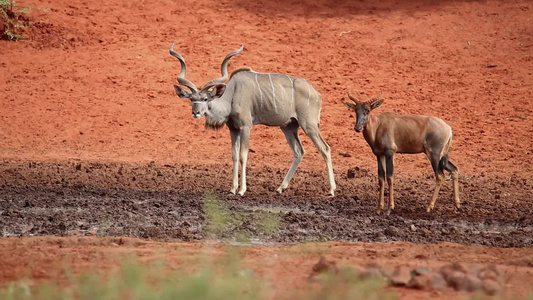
pixel 275 99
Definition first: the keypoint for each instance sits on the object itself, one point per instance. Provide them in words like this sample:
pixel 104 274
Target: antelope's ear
pixel 218 90
pixel 350 105
pixel 181 92
pixel 376 104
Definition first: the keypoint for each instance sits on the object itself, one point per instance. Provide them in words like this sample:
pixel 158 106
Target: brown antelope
pixel 390 133
pixel 250 98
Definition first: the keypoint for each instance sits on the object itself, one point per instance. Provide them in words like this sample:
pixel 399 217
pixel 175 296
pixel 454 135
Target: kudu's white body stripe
pixel 292 89
pixel 273 92
pixel 259 87
pixel 308 93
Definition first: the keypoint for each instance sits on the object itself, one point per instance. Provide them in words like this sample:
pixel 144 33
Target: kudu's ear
pixel 350 105
pixel 376 104
pixel 181 92
pixel 218 90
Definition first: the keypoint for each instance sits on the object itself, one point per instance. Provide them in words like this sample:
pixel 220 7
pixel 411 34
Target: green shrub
pixel 12 20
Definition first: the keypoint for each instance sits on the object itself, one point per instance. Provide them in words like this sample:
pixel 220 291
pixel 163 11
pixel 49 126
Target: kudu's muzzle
pixel 197 109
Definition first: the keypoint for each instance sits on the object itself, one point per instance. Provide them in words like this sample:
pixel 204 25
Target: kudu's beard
pixel 213 122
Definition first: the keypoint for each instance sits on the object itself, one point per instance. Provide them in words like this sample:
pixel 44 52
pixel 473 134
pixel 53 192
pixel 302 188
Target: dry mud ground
pixel 93 140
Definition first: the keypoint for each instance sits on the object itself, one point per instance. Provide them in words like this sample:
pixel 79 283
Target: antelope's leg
pixel 390 179
pixel 440 180
pixel 314 134
pixel 455 176
pixel 381 178
pixel 291 134
pixel 235 150
pixel 245 141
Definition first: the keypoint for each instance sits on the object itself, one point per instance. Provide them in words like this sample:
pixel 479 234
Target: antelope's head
pixel 362 110
pixel 201 99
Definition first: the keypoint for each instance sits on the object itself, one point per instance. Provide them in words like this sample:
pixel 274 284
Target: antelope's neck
pixel 369 129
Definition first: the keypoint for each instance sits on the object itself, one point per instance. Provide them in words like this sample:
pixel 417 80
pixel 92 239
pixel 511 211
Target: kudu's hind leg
pixel 448 166
pixel 235 152
pixel 314 134
pixel 245 142
pixel 291 134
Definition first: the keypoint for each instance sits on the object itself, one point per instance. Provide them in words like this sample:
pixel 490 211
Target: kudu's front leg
pixel 245 142
pixel 235 152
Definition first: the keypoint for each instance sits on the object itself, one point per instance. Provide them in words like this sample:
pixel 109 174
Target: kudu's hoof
pixel 280 190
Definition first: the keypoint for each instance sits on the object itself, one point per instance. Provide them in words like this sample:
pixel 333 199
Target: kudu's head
pixel 362 110
pixel 215 88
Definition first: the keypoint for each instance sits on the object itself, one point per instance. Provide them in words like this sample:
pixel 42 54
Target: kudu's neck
pixel 219 109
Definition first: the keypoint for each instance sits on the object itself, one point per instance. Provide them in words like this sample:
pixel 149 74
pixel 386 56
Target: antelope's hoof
pixel 391 207
pixel 429 209
pixel 280 190
pixel 241 192
pixel 458 205
pixel 233 191
pixel 378 211
pixel 332 193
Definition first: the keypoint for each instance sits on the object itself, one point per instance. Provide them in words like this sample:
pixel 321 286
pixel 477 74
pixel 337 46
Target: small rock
pixel 400 276
pixel 489 272
pixel 438 281
pixel 491 287
pixel 323 265
pixel 425 231
pixel 345 154
pixel 392 231
pixel 465 282
pixel 421 282
pixel 350 173
pixel 454 279
pixel 413 227
pixel 421 256
pixel 447 270
pixel 420 270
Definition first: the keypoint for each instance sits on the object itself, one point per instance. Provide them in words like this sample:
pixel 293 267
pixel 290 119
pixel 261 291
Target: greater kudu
pixel 390 133
pixel 251 98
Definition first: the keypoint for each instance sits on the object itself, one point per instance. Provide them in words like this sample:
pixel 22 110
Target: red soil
pixel 93 81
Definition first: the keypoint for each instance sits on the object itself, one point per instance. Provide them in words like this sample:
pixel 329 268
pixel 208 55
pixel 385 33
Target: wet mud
pixel 167 202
